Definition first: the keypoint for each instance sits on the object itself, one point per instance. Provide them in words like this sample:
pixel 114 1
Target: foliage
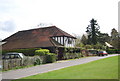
pixel 41 52
pixel 88 46
pixel 98 46
pixel 119 42
pixel 102 38
pixel 72 53
pixel 50 58
pixel 92 30
pixel 95 36
pixel 115 38
pixel 37 61
pixel 113 51
pixel 84 40
pixel 27 52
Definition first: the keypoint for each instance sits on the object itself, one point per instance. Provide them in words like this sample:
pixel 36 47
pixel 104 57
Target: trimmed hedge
pixel 72 53
pixel 27 52
pixel 50 57
pixel 113 51
pixel 42 52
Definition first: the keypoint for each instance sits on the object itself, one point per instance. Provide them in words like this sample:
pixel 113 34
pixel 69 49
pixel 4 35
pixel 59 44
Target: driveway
pixel 16 74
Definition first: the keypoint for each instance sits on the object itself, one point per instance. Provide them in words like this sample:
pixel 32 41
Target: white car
pixel 13 55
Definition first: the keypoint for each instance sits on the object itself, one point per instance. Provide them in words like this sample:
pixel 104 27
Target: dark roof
pixel 40 37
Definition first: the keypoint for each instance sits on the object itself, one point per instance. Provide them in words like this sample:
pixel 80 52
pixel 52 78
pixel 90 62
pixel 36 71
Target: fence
pixel 17 62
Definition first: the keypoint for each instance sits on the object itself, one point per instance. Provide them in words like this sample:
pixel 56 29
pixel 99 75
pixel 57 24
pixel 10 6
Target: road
pixel 16 74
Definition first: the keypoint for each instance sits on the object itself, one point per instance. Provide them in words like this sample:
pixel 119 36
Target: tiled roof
pixel 40 37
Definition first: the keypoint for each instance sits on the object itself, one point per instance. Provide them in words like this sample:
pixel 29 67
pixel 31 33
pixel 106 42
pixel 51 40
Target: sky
pixel 72 16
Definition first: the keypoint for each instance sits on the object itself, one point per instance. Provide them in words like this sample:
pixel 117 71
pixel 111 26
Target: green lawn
pixel 101 69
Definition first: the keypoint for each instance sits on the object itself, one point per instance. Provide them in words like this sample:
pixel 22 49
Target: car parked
pixel 13 55
pixel 102 53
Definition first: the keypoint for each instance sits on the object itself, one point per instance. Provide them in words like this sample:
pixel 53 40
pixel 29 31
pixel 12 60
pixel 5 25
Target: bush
pixel 41 52
pixel 27 52
pixel 37 61
pixel 71 53
pixel 50 58
pixel 113 51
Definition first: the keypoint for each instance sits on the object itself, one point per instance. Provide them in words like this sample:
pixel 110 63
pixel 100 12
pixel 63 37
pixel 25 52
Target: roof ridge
pixel 60 30
pixel 64 32
pixel 36 28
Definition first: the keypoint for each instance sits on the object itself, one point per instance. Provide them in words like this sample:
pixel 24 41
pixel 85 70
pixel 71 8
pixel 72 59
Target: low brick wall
pixel 12 63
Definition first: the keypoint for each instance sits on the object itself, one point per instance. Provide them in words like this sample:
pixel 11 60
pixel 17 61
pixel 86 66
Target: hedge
pixel 27 52
pixel 42 52
pixel 72 53
pixel 50 57
pixel 113 51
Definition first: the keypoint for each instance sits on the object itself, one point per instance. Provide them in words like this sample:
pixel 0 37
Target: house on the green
pixel 51 38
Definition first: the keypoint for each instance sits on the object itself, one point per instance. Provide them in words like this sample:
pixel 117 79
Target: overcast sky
pixel 72 16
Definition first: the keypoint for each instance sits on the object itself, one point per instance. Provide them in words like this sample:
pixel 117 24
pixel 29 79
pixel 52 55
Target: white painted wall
pixel 66 44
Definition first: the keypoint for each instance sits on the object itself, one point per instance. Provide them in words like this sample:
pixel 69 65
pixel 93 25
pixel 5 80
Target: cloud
pixel 7 5
pixel 7 26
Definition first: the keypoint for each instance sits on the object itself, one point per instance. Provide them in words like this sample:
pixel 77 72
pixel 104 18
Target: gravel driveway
pixel 15 74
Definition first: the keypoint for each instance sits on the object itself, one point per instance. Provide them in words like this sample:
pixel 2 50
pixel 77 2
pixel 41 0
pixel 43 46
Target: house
pixel 51 38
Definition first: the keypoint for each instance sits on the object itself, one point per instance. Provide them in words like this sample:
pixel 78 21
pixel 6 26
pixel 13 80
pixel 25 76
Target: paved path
pixel 15 74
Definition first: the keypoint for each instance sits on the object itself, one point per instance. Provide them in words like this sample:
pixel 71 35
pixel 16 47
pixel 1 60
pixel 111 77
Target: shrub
pixel 27 52
pixel 41 52
pixel 88 47
pixel 51 57
pixel 71 53
pixel 113 51
pixel 37 61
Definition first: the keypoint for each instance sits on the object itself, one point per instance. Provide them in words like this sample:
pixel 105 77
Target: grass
pixel 106 68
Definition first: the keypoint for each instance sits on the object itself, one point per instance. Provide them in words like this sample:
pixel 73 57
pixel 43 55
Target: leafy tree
pixel 115 38
pixel 119 42
pixel 103 37
pixel 84 39
pixel 88 47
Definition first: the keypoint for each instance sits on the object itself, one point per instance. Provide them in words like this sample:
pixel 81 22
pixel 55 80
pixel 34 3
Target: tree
pixel 84 39
pixel 115 38
pixel 92 31
pixel 119 42
pixel 78 40
pixel 102 38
